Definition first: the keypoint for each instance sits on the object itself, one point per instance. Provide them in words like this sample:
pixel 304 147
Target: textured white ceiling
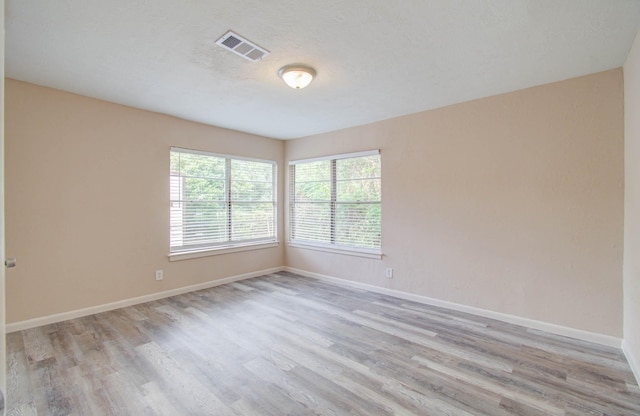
pixel 376 59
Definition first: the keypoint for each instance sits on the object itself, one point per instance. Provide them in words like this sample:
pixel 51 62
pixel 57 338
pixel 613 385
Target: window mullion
pixel 182 188
pixel 333 201
pixel 292 202
pixel 227 175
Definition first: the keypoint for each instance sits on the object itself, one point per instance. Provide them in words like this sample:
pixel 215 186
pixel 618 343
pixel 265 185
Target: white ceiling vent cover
pixel 240 46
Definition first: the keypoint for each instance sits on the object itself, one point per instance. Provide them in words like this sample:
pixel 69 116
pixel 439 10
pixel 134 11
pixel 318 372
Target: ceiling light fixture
pixel 297 76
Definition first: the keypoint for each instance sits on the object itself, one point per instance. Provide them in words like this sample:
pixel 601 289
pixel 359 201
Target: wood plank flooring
pixel 287 345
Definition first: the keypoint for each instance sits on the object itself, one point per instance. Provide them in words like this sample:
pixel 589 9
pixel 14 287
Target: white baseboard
pixel 634 361
pixel 512 319
pixel 78 313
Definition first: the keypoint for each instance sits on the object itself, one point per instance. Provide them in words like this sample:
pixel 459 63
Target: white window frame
pixel 332 247
pixel 229 245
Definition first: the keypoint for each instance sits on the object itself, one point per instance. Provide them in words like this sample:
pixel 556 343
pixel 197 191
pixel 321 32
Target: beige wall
pixel 87 212
pixel 632 207
pixel 512 203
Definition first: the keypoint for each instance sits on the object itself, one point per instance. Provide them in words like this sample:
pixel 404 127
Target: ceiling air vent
pixel 240 46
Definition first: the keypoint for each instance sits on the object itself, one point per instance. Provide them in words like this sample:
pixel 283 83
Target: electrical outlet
pixel 389 273
pixel 159 275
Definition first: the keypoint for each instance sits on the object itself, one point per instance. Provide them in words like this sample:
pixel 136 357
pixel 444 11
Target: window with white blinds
pixel 335 202
pixel 220 201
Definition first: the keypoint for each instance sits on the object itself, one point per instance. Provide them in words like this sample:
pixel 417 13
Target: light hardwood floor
pixel 288 345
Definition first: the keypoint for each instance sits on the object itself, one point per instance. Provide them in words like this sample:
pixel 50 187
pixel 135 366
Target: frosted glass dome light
pixel 297 76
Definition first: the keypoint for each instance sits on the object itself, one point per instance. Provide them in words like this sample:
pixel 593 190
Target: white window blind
pixel 335 201
pixel 220 201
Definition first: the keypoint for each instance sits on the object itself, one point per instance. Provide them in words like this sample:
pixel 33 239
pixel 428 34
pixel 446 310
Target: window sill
pixel 339 250
pixel 185 255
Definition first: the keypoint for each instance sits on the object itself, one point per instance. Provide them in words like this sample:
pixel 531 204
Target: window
pixel 334 202
pixel 220 201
